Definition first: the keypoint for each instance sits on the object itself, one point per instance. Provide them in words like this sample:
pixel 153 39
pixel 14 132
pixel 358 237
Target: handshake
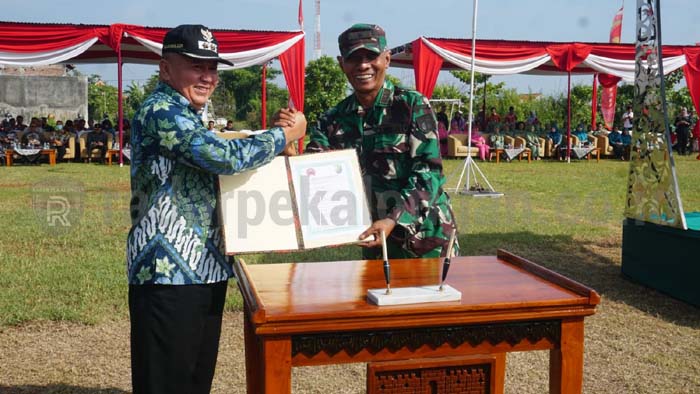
pixel 293 123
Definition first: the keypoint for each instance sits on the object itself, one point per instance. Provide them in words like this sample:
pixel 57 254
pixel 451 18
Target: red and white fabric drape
pixel 499 57
pixel 35 44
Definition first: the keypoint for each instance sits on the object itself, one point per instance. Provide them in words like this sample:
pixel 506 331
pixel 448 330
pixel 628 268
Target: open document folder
pixel 295 203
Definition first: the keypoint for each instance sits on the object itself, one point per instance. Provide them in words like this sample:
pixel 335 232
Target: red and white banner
pixel 609 94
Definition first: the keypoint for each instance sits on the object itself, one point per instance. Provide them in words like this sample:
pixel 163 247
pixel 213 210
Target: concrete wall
pixel 29 96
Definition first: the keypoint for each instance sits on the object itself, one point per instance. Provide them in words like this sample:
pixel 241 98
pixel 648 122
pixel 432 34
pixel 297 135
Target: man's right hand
pixel 297 129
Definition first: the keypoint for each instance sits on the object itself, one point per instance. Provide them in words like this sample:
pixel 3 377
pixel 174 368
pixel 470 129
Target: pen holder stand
pixel 413 295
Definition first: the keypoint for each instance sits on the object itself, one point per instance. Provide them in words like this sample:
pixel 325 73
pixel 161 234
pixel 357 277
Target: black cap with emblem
pixel 195 41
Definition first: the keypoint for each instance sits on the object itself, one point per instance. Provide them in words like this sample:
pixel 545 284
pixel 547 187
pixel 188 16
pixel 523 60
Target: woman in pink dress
pixel 479 141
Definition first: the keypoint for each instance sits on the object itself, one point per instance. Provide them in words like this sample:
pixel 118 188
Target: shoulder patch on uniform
pixel 426 122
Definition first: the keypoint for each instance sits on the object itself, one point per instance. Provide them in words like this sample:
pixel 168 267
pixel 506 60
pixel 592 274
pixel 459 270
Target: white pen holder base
pixel 413 295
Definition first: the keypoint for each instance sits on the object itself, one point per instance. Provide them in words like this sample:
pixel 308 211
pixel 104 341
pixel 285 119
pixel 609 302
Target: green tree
pixel 102 99
pixel 485 93
pixel 325 85
pixel 150 85
pixel 676 97
pixel 397 81
pixel 277 97
pixel 134 96
pixel 449 91
pixel 238 90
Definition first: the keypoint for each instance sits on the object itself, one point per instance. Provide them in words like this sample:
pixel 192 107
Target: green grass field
pixel 553 213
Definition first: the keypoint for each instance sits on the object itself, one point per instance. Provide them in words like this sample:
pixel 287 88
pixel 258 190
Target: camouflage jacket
pixel 175 236
pixel 396 141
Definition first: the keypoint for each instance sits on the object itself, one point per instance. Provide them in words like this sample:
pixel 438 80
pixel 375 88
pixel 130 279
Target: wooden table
pixel 596 152
pixel 316 313
pixel 527 152
pixel 51 153
pixel 110 153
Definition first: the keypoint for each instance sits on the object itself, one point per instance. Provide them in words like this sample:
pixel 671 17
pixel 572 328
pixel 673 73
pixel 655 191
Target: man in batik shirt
pixel 176 265
pixel 395 134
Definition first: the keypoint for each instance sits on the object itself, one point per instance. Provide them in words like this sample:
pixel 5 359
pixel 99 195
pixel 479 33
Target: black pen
pixel 448 255
pixel 387 270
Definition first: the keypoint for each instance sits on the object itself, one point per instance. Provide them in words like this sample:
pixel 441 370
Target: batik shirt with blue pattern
pixel 175 236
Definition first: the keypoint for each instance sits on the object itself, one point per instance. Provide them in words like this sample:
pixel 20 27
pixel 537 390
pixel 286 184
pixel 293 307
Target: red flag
pixel 301 16
pixel 609 94
pixel 616 29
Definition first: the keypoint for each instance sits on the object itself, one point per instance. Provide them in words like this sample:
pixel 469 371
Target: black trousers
pixel 682 142
pixel 175 334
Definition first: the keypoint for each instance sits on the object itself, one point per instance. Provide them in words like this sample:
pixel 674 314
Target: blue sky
pixel 404 21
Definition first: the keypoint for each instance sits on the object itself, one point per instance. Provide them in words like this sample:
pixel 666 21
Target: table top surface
pixel 493 287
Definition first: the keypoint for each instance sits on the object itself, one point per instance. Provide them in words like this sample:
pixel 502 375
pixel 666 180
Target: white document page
pixel 330 197
pixel 257 210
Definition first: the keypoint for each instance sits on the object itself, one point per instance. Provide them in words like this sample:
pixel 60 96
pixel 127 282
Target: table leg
pixel 277 369
pixel 498 385
pixel 566 361
pixel 52 158
pixel 8 157
pixel 498 156
pixel 253 365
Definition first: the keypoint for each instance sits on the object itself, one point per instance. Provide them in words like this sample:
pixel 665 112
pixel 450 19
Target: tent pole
pixel 470 118
pixel 263 105
pixel 120 106
pixel 568 120
pixel 469 164
pixel 594 101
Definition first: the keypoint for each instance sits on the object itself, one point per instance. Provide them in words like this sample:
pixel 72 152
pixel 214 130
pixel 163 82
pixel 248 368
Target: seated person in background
pixel 59 139
pixel 19 123
pixel 441 116
pixel 479 141
pixel 45 123
pixel 97 139
pixel 615 140
pixel 519 130
pixel 600 130
pixel 626 141
pixel 532 140
pixel 555 136
pixel 4 140
pixel 581 134
pixel 210 126
pixel 229 126
pixel 31 140
pixel 32 134
pixel 505 129
pixel 108 128
pixel 80 128
pixel 442 137
pixel 496 139
pixel 11 135
pixel 457 124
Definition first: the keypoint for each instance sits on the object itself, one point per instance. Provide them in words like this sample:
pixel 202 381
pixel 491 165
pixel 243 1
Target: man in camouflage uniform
pixel 395 133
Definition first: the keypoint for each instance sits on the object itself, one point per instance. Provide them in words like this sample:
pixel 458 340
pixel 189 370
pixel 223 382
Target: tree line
pixel 239 96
